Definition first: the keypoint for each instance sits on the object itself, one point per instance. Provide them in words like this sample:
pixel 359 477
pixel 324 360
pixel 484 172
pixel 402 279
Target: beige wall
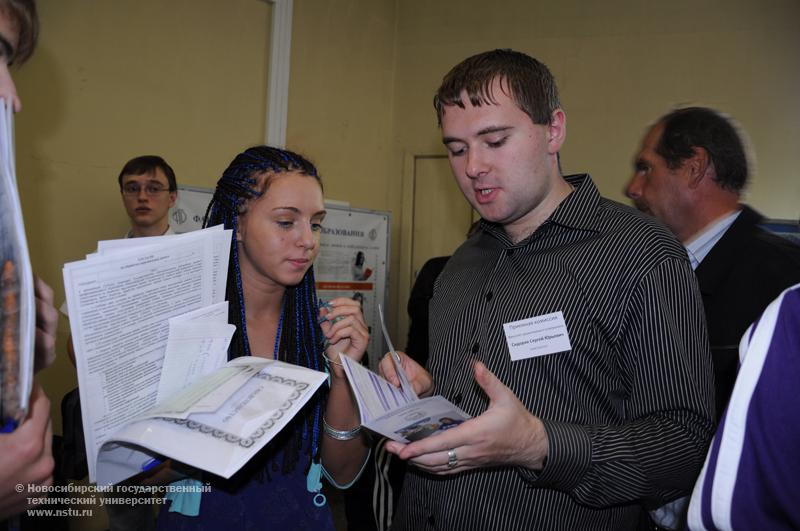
pixel 340 103
pixel 111 80
pixel 619 66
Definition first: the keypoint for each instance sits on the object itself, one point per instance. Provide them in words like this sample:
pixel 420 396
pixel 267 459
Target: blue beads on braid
pixel 239 291
pixel 305 314
pixel 276 348
pixel 298 319
pixel 314 357
pixel 298 330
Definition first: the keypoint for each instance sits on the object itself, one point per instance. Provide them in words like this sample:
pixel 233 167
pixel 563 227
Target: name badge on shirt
pixel 537 336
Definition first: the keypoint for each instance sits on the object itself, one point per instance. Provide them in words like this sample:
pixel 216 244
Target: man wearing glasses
pixel 148 189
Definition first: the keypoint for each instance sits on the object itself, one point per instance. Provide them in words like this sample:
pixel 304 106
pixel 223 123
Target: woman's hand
pixel 345 329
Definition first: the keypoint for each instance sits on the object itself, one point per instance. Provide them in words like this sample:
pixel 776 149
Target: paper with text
pixel 197 345
pixel 221 239
pixel 120 304
pixel 537 336
pixel 205 395
pixel 387 410
pixel 375 396
pixel 265 397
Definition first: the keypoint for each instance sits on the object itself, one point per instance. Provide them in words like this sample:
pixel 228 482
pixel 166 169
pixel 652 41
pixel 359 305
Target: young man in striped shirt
pixel 579 320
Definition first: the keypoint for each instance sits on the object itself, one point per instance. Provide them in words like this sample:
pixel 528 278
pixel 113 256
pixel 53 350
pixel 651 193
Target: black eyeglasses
pixel 133 189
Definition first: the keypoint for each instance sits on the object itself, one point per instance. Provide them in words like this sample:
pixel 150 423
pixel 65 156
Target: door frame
pixel 405 274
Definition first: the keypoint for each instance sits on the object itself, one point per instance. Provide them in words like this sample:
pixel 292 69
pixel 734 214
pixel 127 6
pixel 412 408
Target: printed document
pixel 394 413
pixel 216 424
pixel 397 413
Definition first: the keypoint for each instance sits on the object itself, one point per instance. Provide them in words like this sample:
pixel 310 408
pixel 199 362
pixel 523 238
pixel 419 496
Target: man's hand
pixel 420 379
pixel 46 325
pixel 506 434
pixel 26 457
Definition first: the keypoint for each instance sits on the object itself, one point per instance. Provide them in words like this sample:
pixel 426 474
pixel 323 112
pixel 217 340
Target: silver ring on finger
pixel 452 460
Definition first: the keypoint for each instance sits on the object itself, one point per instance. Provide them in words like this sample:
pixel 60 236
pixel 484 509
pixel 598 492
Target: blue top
pixel 257 497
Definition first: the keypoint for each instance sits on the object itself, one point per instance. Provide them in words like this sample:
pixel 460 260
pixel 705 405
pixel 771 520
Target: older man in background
pixel 690 173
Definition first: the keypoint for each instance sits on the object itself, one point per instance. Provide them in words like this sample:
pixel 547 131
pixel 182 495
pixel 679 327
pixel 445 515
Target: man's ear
pixel 173 196
pixel 699 166
pixel 556 131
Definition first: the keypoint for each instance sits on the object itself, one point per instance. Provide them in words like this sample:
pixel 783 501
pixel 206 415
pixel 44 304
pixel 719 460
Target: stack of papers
pixel 150 333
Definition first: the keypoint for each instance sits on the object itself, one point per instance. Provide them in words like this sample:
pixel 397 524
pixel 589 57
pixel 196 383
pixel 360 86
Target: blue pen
pixel 151 464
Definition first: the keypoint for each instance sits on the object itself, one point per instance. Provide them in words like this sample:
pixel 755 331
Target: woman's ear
pixel 239 231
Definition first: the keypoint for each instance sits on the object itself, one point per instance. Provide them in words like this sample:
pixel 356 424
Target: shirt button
pixel 475 348
pixel 489 296
pixel 431 520
pixel 458 398
pixel 509 252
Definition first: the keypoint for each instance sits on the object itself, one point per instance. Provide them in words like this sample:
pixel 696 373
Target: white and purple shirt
pixel 751 477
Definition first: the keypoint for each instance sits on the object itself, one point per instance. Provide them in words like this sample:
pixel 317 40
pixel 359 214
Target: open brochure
pixel 150 334
pixel 216 424
pixel 397 413
pixel 394 413
pixel 18 323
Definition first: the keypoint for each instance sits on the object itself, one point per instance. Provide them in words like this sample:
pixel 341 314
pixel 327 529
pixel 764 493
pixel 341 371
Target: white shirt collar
pixel 699 246
pixel 167 232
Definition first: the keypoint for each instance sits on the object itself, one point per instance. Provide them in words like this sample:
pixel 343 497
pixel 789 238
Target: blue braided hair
pixel 300 340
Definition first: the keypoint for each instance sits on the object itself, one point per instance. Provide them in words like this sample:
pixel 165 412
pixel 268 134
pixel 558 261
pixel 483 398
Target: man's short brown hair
pixel 528 82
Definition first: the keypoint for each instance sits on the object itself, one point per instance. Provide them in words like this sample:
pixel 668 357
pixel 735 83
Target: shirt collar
pixel 169 231
pixel 579 209
pixel 576 211
pixel 701 244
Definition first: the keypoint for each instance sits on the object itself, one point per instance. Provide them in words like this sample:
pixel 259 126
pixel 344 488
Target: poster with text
pixel 353 262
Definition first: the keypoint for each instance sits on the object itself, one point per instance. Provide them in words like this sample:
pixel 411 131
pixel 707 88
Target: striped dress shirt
pixel 628 410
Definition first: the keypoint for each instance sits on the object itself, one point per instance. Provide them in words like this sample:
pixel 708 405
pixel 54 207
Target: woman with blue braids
pixel 272 199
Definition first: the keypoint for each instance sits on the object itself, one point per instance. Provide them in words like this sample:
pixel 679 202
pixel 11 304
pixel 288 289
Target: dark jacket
pixel 746 269
pixel 421 293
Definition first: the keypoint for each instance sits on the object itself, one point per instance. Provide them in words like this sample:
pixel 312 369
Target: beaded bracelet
pixel 328 360
pixel 340 435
